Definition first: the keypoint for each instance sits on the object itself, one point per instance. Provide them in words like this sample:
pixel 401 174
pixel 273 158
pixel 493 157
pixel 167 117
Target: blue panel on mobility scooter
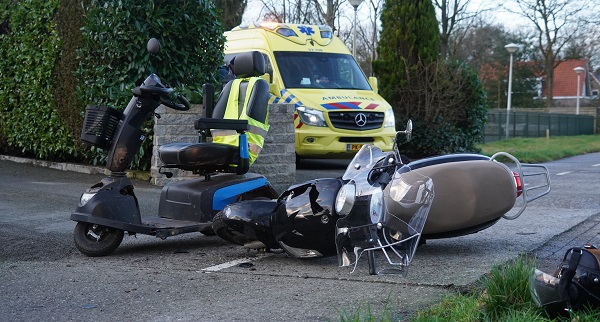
pixel 230 194
pixel 199 199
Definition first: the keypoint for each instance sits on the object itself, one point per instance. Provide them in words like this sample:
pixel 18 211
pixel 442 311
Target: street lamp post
pixel 578 70
pixel 511 49
pixel 355 4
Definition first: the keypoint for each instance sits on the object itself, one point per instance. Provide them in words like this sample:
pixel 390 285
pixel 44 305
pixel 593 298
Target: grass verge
pixel 537 150
pixel 501 295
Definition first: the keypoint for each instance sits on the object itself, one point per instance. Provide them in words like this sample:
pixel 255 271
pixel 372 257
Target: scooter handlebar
pixel 184 106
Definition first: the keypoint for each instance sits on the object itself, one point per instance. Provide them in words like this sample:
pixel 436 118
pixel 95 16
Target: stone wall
pixel 277 160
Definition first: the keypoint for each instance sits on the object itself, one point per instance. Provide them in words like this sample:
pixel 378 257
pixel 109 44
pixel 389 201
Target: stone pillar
pixel 277 160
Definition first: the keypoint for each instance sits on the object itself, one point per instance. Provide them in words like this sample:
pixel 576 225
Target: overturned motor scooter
pixel 385 203
pixel 110 207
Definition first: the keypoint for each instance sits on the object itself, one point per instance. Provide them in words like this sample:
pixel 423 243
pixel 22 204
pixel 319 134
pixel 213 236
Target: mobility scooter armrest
pixel 204 123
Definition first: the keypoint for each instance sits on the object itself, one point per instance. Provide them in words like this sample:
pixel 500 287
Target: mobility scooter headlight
pixel 85 197
pixel 345 199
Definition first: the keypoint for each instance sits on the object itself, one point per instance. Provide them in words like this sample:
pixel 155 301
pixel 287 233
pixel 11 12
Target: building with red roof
pixel 565 80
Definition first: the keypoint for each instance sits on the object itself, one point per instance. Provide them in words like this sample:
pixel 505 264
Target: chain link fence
pixel 534 124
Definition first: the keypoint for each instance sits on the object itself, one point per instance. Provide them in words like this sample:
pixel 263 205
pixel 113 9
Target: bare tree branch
pixel 453 13
pixel 555 22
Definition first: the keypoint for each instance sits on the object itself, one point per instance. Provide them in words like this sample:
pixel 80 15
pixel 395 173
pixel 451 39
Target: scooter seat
pixel 197 156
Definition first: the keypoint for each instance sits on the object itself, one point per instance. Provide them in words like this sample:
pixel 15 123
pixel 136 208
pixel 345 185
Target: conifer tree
pixel 409 34
pixel 445 100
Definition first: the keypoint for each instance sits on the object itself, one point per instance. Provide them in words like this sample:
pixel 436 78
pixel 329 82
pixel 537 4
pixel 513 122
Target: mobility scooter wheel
pixel 95 240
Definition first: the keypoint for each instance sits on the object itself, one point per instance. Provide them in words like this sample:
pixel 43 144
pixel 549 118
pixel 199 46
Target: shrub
pixel 56 56
pixel 29 48
pixel 113 57
pixel 447 105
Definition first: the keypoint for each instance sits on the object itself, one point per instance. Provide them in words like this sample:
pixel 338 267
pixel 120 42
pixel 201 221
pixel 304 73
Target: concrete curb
pixel 80 168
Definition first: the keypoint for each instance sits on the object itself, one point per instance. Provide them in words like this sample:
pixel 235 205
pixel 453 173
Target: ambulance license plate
pixel 353 147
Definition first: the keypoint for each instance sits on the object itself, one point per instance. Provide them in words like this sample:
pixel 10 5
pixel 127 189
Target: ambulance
pixel 337 108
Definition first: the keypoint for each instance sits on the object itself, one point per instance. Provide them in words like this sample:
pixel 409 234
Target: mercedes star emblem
pixel 360 119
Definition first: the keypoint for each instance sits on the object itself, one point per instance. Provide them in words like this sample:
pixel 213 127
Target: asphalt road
pixel 202 278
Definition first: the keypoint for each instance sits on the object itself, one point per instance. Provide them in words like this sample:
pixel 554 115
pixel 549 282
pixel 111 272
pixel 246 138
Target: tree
pixel 328 12
pixel 482 47
pixel 555 23
pixel 302 11
pixel 584 44
pixel 444 99
pixel 455 15
pixel 409 34
pixel 447 104
pixel 231 12
pixel 368 37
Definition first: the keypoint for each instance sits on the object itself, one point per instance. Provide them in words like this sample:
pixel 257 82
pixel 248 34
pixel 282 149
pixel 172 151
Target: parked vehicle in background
pixel 338 109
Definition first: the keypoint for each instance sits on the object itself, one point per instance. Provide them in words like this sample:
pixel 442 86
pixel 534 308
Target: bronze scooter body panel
pixel 469 196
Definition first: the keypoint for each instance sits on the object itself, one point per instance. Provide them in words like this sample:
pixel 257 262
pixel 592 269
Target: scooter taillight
pixel 518 183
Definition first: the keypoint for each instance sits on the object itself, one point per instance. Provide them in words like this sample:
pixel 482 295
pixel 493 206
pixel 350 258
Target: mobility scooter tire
pixel 96 240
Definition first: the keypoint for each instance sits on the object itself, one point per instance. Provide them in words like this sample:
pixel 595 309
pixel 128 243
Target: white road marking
pixel 596 165
pixel 563 173
pixel 235 262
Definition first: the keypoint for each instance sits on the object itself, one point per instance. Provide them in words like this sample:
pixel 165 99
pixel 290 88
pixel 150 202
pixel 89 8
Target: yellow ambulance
pixel 337 107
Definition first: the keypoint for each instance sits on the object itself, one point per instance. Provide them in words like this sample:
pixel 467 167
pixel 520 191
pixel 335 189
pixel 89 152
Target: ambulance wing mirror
pixel 274 89
pixel 374 85
pixel 267 77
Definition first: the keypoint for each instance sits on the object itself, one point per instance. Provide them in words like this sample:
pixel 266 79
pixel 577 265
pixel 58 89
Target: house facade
pixel 565 84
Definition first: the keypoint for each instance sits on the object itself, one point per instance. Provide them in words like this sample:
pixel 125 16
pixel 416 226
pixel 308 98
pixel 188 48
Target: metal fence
pixel 533 124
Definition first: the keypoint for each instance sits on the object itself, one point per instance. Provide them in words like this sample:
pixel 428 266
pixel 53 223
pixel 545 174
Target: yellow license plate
pixel 353 147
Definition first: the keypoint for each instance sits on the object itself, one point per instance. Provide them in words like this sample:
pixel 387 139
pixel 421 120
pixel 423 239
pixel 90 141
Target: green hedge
pixel 56 56
pixel 29 49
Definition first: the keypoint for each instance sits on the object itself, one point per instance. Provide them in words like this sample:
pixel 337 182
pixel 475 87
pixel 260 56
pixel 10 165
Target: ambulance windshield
pixel 320 70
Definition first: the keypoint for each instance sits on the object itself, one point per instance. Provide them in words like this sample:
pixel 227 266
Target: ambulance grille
pixel 351 120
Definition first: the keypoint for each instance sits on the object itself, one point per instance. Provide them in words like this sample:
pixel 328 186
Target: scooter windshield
pixel 363 161
pixel 391 222
pixel 360 166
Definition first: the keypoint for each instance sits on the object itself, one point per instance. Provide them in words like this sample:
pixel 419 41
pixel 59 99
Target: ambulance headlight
pixel 389 121
pixel 311 116
pixel 345 199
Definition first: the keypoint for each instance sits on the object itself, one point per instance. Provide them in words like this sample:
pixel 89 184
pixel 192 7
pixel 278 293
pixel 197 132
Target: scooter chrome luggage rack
pixel 526 193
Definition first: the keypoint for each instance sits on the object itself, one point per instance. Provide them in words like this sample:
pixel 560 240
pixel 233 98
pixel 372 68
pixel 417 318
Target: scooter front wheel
pixel 96 240
pixel 222 230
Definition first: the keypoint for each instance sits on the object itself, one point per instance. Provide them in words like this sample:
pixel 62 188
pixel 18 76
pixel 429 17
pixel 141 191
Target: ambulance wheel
pixel 95 240
pixel 227 233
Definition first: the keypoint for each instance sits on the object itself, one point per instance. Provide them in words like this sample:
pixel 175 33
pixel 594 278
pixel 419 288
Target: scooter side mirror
pixel 407 132
pixel 153 46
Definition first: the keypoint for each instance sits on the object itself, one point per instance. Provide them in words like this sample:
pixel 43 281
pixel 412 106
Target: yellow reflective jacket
pixel 256 130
